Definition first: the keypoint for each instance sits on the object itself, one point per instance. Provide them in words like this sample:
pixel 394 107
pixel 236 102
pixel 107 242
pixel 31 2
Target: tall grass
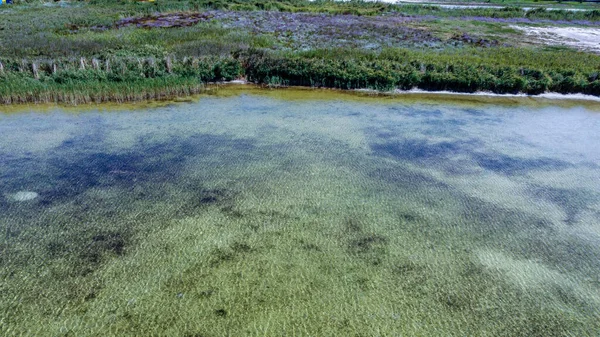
pixel 124 78
pixel 111 79
pixel 499 71
pixel 74 54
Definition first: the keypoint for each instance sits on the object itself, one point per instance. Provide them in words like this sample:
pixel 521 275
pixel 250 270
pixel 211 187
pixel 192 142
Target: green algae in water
pixel 259 213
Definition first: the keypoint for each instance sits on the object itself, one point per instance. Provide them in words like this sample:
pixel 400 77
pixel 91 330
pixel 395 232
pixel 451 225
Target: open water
pixel 301 212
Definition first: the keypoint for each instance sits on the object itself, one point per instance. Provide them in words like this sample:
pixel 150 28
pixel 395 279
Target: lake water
pixel 299 212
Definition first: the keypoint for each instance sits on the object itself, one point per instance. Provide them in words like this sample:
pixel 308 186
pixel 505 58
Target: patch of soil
pixel 169 20
pixel 476 41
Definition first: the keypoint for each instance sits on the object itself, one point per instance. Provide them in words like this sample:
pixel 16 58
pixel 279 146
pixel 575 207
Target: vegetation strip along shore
pixel 127 79
pixel 126 51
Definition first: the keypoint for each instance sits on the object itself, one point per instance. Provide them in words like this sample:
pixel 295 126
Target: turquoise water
pixel 298 212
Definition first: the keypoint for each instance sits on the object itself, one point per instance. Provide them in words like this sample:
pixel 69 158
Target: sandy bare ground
pixel 471 6
pixel 580 38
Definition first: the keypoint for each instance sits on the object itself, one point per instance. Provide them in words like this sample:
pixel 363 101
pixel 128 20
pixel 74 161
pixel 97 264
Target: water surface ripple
pixel 298 212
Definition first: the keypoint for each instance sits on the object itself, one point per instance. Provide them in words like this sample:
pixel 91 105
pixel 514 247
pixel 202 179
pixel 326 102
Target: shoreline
pixel 241 86
pixel 546 95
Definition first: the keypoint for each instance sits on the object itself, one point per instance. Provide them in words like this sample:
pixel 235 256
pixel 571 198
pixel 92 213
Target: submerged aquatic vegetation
pixel 251 214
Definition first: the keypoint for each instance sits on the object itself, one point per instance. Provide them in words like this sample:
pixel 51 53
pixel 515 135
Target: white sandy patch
pixel 239 81
pixel 580 38
pixel 22 196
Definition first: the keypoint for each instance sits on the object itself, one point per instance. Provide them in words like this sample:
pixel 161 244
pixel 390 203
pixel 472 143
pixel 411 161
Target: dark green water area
pixel 247 212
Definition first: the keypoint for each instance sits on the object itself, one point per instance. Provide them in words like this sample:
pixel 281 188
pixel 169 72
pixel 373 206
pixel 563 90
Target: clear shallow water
pixel 301 212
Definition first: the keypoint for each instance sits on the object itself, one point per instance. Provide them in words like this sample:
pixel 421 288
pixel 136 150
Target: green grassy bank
pixel 110 79
pixel 499 71
pixel 137 78
pixel 85 52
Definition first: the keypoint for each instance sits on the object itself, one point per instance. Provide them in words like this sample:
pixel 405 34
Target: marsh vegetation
pixel 126 50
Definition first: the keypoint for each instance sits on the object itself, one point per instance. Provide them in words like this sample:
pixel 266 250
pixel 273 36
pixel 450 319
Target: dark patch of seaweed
pixel 309 246
pixel 147 161
pixel 512 165
pixel 237 250
pixel 366 243
pixel 571 201
pixel 420 150
pixel 406 179
pixel 103 243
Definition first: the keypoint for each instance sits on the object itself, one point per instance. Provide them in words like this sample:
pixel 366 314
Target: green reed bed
pixel 98 92
pixel 116 80
pixel 497 70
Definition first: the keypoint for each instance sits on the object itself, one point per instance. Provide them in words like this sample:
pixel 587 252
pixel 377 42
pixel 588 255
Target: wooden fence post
pixel 169 64
pixel 34 70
